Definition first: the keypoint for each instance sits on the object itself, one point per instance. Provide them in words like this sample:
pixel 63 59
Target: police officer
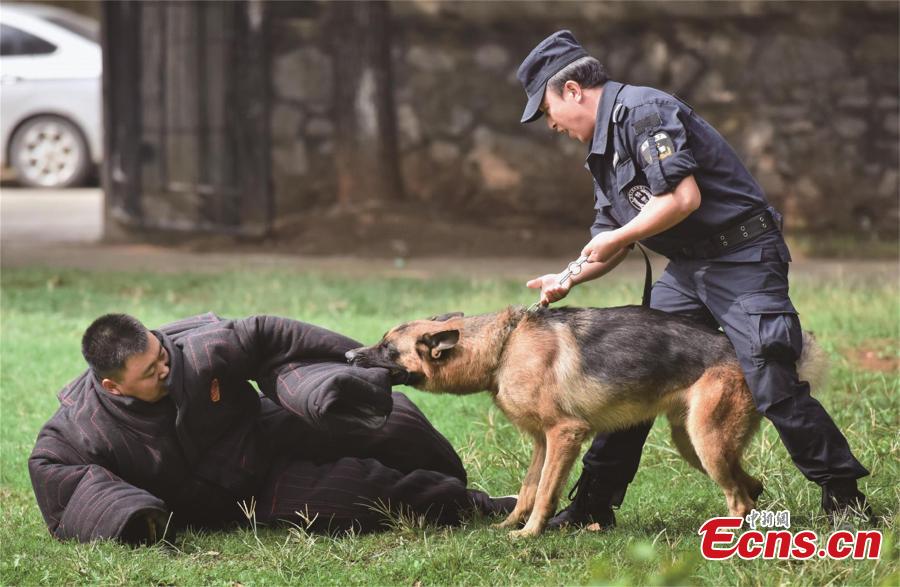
pixel 665 178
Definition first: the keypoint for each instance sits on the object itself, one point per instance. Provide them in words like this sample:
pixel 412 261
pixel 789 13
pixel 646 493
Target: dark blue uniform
pixel 728 268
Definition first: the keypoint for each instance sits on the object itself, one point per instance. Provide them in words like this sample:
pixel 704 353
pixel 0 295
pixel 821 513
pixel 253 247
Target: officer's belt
pixel 738 234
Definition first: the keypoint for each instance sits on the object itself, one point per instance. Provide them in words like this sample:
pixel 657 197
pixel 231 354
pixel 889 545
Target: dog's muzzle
pixel 399 375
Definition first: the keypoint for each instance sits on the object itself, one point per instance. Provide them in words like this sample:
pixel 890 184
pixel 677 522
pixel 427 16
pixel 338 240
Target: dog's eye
pixel 390 350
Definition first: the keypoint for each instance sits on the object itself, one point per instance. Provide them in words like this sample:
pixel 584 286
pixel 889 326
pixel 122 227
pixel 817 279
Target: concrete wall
pixel 806 92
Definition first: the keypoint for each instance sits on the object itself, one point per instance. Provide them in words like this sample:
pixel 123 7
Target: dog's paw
pixel 524 533
pixel 507 523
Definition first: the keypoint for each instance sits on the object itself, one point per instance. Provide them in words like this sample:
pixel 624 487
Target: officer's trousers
pixel 750 302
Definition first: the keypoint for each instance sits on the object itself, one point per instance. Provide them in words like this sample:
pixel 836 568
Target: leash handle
pixel 574 268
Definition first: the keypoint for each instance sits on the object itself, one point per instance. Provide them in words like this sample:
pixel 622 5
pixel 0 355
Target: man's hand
pixel 551 289
pixel 603 247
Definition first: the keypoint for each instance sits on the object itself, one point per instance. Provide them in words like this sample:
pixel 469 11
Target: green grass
pixel 45 311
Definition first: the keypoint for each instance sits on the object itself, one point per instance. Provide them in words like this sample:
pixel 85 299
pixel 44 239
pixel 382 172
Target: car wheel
pixel 50 152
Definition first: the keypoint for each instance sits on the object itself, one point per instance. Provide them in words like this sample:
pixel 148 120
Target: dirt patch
pixel 877 355
pixel 411 233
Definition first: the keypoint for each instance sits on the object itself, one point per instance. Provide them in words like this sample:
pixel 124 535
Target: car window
pixel 88 30
pixel 15 41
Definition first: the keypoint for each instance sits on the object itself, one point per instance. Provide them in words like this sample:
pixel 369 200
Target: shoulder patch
pixel 663 145
pixel 647 122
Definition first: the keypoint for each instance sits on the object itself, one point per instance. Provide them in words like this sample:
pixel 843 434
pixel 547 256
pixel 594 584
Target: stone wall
pixel 806 92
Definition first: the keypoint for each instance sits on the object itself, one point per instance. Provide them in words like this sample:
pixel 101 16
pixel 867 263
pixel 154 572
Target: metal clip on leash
pixel 572 269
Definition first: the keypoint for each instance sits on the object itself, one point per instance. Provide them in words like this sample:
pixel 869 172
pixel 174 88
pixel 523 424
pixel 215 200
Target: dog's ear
pixel 445 317
pixel 438 342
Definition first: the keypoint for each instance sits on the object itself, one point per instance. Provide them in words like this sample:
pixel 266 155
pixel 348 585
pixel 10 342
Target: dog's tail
pixel 813 363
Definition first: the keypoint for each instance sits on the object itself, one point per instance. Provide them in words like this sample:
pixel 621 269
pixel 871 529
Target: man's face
pixel 144 374
pixel 569 113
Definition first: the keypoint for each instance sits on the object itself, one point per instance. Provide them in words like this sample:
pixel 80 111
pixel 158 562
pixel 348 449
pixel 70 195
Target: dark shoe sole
pixel 590 524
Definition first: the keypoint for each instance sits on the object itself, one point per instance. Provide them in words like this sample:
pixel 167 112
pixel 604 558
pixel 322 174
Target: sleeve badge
pixel 664 147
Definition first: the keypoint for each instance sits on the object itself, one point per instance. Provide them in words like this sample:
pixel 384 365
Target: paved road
pixel 62 228
pixel 37 216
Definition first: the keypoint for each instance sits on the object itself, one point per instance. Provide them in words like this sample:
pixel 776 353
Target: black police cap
pixel 549 57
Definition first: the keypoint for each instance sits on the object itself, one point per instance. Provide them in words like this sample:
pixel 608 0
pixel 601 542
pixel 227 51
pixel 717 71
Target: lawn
pixel 45 311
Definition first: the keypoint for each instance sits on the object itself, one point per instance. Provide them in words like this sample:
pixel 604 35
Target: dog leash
pixel 648 277
pixel 575 267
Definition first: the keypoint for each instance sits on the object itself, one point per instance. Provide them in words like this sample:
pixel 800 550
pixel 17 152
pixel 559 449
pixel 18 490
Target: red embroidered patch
pixel 214 391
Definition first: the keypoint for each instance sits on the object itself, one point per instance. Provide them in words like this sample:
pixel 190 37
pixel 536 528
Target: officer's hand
pixel 551 289
pixel 602 247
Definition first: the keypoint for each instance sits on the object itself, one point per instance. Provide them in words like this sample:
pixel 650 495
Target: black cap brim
pixel 533 107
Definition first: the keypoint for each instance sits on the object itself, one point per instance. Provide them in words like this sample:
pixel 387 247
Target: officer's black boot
pixel 591 504
pixel 845 504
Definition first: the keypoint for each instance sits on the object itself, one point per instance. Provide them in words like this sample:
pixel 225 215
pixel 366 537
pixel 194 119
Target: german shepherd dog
pixel 563 374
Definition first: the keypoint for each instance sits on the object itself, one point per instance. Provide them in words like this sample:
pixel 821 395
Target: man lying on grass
pixel 164 430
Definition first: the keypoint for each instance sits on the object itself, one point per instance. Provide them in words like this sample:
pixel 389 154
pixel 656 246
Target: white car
pixel 50 95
